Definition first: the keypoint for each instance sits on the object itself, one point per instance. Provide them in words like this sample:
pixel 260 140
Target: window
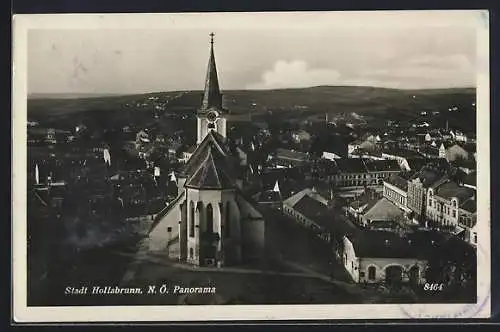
pixel 454 214
pixel 210 219
pixel 191 253
pixel 362 274
pixel 454 204
pixel 191 220
pixel 475 237
pixel 371 273
pixel 228 220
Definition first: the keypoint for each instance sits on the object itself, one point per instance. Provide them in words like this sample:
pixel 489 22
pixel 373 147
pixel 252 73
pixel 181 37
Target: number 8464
pixel 433 287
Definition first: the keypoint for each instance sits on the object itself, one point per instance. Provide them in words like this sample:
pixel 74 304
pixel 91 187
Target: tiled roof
pixel 469 205
pixel 471 179
pixel 310 207
pixel 269 196
pixel 212 173
pixel 383 210
pixel 212 139
pixel 165 210
pixel 382 165
pixel 351 165
pixel 383 244
pixel 402 153
pixel 398 181
pixel 416 163
pixel 428 176
pixel 289 154
pixel 451 189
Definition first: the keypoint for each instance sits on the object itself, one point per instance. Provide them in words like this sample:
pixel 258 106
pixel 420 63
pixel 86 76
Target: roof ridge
pixel 216 171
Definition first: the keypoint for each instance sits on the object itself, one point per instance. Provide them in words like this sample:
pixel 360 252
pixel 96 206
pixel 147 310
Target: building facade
pixel 445 202
pixel 396 191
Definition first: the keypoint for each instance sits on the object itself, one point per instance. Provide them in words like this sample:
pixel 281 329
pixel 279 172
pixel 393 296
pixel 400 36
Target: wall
pixel 396 195
pixel 416 197
pixel 330 156
pixel 441 210
pixel 382 263
pixel 159 235
pixel 349 259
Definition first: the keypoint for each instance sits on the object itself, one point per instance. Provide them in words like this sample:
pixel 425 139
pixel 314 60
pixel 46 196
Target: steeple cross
pixel 212 38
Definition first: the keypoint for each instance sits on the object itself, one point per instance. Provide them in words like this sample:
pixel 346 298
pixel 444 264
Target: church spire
pixel 211 95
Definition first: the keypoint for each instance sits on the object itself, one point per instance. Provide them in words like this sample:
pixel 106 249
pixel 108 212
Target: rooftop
pixel 383 210
pixel 402 153
pixel 470 205
pixel 291 154
pixel 212 172
pixel 383 244
pixel 451 189
pixel 428 176
pixel 398 181
pixel 471 179
pixel 351 165
pixel 382 165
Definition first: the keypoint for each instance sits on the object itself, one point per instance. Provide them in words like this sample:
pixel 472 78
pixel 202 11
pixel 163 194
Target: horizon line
pixel 246 89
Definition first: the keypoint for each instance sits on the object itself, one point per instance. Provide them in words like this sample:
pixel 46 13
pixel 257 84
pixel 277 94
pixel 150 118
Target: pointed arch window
pixel 210 219
pixel 227 227
pixel 191 219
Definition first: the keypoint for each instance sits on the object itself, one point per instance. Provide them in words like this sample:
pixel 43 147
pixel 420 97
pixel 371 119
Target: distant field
pixel 307 103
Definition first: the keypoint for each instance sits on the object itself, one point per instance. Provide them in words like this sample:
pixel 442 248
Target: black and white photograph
pixel 251 166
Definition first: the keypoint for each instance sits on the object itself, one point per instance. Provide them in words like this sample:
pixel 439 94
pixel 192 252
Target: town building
pixel 401 156
pixel 417 189
pixel 211 222
pixel 289 158
pixel 396 191
pixel 448 202
pixel 375 257
pixel 360 173
pixel 382 212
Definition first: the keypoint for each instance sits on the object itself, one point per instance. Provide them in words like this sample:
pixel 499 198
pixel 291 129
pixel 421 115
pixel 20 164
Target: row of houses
pixel 369 256
pixel 431 197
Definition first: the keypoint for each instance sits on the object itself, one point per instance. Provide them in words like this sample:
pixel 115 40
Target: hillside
pixel 307 103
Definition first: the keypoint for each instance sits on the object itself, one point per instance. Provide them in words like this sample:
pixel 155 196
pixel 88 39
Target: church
pixel 211 222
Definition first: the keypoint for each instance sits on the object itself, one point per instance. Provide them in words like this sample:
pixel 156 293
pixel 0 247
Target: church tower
pixel 210 222
pixel 211 115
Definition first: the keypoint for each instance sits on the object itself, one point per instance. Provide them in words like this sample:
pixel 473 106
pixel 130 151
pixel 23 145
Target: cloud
pixel 428 71
pixel 295 74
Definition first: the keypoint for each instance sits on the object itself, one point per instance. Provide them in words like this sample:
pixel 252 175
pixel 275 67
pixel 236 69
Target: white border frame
pixel 299 20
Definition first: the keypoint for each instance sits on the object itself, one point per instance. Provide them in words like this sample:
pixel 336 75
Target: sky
pixel 138 54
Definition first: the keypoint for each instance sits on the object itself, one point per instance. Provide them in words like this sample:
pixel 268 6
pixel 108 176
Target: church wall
pixel 252 230
pixel 198 132
pixel 221 126
pixel 159 236
pixel 183 231
pixel 232 243
pixel 253 240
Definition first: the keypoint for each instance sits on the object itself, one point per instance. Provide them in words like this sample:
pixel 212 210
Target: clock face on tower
pixel 212 116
